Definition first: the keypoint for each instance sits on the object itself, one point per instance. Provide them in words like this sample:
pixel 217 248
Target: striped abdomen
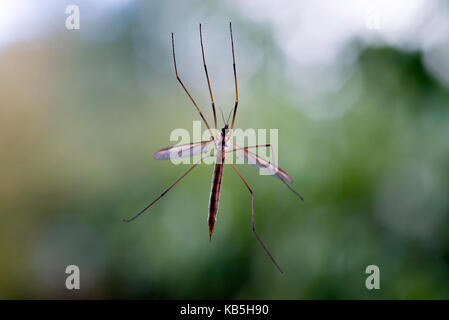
pixel 215 192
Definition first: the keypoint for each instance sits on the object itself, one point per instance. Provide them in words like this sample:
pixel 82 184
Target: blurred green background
pixel 359 94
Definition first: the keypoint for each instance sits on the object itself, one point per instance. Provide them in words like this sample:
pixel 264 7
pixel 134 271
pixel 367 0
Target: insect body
pixel 223 146
pixel 217 179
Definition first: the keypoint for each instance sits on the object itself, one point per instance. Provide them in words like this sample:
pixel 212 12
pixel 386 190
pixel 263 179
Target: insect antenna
pixel 222 115
pixel 229 116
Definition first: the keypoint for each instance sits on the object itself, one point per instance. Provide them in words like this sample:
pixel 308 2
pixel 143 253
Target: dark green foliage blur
pixel 81 114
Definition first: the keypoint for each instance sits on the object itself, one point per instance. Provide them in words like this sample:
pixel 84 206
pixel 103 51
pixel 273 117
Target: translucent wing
pixel 265 166
pixel 182 150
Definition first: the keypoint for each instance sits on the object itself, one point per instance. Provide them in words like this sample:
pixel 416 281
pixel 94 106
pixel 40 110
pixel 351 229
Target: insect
pixel 223 146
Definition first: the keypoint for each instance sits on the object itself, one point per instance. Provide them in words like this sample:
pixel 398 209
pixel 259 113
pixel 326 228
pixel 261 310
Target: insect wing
pixel 182 150
pixel 265 166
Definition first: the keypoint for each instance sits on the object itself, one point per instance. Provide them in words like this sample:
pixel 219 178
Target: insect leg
pixel 185 89
pixel 166 190
pixel 253 227
pixel 207 77
pixel 250 147
pixel 235 77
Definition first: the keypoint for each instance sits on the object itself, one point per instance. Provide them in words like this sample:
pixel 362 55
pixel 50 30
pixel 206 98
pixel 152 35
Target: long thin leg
pixel 257 146
pixel 235 78
pixel 207 77
pixel 179 79
pixel 163 193
pixel 250 147
pixel 253 227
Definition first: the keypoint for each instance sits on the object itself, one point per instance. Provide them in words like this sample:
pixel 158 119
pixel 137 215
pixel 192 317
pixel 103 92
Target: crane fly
pixel 223 146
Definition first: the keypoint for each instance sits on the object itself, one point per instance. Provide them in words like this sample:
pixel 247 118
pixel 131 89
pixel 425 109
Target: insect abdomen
pixel 215 196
